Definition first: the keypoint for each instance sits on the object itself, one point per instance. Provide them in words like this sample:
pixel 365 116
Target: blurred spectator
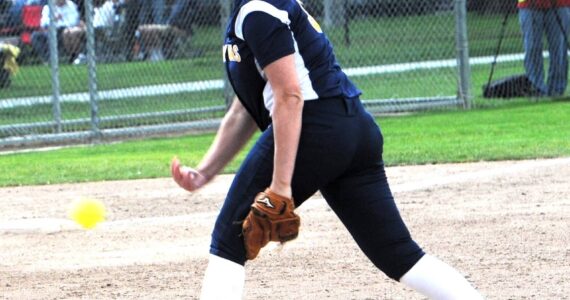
pixel 70 32
pixel 182 15
pixel 109 22
pixel 14 16
pixel 4 8
pixel 132 10
pixel 152 11
pixel 161 41
pixel 181 20
pixel 551 18
pixel 15 12
pixel 151 29
pixel 81 7
pixel 104 15
pixel 151 41
pixel 145 37
pixel 104 19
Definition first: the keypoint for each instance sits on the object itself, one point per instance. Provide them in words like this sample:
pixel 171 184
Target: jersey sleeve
pixel 268 37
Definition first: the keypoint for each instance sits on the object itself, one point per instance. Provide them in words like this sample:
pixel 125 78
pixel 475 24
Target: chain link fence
pixel 136 68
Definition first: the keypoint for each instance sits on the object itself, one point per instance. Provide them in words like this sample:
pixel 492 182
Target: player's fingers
pixel 189 177
pixel 192 179
pixel 175 170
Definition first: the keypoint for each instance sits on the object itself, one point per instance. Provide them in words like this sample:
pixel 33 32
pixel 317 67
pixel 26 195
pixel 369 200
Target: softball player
pixel 316 136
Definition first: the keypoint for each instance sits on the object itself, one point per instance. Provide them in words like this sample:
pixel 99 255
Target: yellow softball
pixel 87 212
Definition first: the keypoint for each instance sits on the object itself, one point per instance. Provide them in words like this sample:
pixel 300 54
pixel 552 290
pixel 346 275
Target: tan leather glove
pixel 271 218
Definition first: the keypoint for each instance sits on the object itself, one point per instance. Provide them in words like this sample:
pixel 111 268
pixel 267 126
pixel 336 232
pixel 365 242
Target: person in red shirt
pixel 551 18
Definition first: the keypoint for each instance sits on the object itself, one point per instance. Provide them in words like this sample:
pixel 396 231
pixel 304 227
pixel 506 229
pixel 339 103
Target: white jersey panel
pixel 263 6
pixel 307 90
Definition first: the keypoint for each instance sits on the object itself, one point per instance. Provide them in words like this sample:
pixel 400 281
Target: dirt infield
pixel 502 224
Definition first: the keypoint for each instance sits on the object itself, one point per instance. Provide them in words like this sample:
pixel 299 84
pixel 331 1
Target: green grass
pixel 131 105
pixel 424 83
pixel 35 80
pixel 496 130
pixel 520 130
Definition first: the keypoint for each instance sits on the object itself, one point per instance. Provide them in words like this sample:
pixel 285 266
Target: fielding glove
pixel 271 218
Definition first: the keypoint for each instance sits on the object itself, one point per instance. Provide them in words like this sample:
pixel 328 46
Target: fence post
pixel 461 40
pixel 92 70
pixel 54 62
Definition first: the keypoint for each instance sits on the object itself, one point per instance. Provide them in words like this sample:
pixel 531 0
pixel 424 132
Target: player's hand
pixel 187 178
pixel 271 218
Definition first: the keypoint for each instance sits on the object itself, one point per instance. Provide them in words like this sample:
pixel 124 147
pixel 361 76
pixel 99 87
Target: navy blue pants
pixel 340 154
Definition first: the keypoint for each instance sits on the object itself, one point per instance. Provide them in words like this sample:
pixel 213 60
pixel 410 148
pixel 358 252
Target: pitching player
pixel 316 136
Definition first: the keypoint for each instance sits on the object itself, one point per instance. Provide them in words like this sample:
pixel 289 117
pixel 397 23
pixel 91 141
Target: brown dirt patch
pixel 502 224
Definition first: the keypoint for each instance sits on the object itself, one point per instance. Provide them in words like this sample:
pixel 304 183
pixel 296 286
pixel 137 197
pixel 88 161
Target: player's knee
pixel 229 246
pixel 231 256
pixel 398 258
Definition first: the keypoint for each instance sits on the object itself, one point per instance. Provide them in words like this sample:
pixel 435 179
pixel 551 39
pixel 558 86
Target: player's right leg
pixel 223 280
pixel 225 275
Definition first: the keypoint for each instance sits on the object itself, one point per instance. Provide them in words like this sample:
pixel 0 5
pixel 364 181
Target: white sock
pixel 223 280
pixel 438 281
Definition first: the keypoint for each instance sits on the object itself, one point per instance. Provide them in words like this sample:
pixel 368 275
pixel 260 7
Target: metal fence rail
pixel 156 69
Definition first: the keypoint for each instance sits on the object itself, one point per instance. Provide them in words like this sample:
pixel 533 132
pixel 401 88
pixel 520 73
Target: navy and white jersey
pixel 262 31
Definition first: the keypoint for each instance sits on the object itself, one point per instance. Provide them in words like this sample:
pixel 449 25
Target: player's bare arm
pixel 286 120
pixel 235 130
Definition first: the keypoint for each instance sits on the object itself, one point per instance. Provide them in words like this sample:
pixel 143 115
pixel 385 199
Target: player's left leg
pixel 362 200
pixel 365 206
pixel 437 280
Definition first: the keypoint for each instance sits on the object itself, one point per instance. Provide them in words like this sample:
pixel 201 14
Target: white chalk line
pixel 104 252
pixel 216 84
pixel 146 251
pixel 54 225
pixel 477 175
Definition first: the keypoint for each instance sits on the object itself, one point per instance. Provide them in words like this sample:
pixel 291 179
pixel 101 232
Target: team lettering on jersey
pixel 312 20
pixel 231 52
pixel 315 24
